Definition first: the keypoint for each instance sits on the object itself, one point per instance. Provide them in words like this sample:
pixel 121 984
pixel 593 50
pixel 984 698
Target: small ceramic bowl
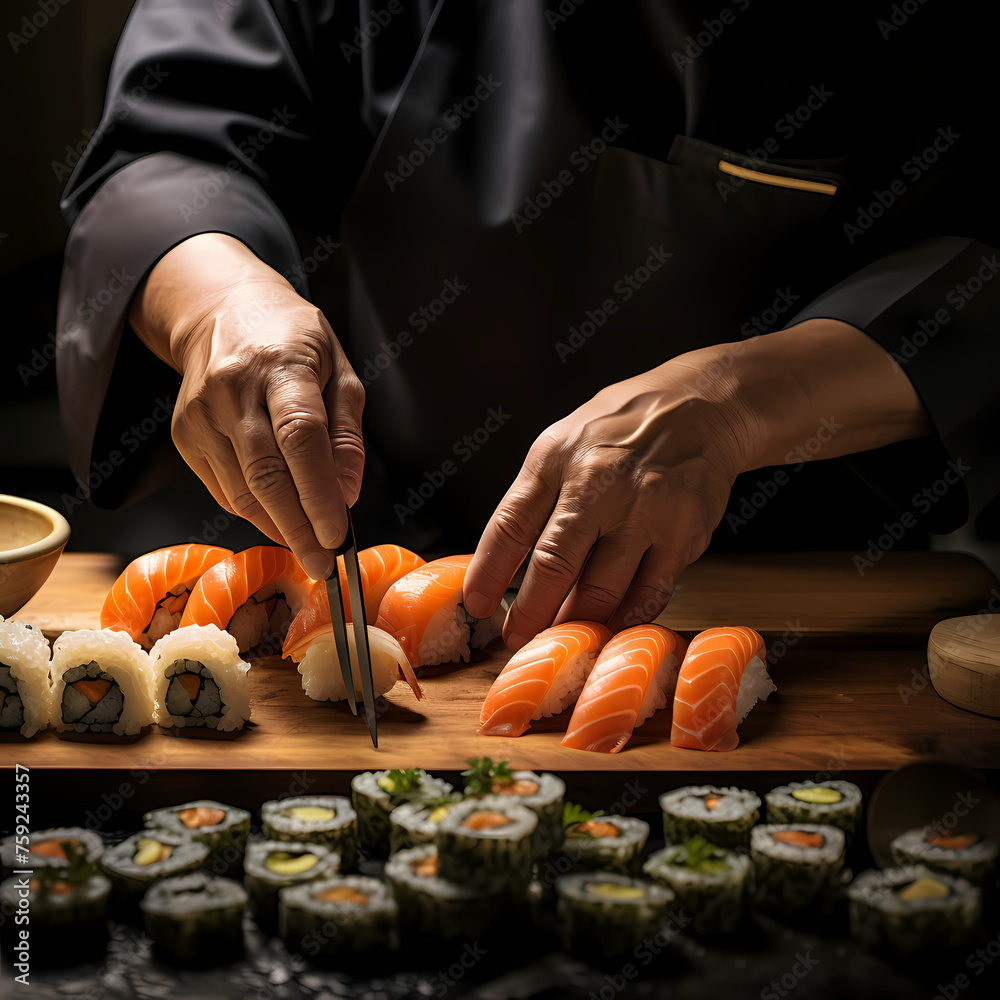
pixel 32 537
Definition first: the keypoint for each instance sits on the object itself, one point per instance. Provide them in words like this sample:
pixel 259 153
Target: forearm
pixel 821 379
pixel 186 285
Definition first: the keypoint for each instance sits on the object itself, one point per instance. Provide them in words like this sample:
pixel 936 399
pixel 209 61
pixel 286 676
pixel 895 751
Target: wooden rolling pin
pixel 963 660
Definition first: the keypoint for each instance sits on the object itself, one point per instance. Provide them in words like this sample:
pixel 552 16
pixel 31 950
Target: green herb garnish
pixel 442 800
pixel 76 870
pixel 400 780
pixel 573 814
pixel 483 772
pixel 700 854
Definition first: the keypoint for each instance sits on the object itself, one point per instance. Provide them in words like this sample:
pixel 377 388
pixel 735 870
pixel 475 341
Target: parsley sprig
pixel 574 814
pixel 483 773
pixel 400 780
pixel 698 853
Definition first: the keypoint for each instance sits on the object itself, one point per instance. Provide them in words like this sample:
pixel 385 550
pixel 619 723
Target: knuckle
pixel 510 531
pixel 596 595
pixel 268 477
pixel 552 562
pixel 298 432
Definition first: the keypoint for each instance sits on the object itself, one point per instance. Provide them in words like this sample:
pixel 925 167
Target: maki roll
pixel 610 914
pixel 223 829
pixel 795 867
pixel 836 803
pixel 949 851
pixel 723 816
pixel 604 843
pixel 487 844
pixel 708 881
pixel 434 905
pixel 49 849
pixel 347 915
pixel 415 823
pixel 100 683
pixel 543 794
pixel 200 680
pixel 272 865
pixel 25 696
pixel 195 919
pixel 148 856
pixel 329 820
pixel 375 794
pixel 906 909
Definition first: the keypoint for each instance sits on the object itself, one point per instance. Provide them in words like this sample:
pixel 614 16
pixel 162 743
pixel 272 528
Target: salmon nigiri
pixel 424 612
pixel 149 597
pixel 252 594
pixel 722 677
pixel 633 677
pixel 381 566
pixel 542 678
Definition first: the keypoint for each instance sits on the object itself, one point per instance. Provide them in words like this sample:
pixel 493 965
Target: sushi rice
pixel 907 909
pixel 415 823
pixel 789 877
pixel 329 820
pixel 723 816
pixel 200 680
pixel 375 794
pixel 951 855
pixel 711 888
pixel 488 844
pixel 351 914
pixel 272 865
pixel 544 795
pixel 148 856
pixel 25 694
pixel 837 803
pixel 52 855
pixel 195 918
pixel 610 914
pixel 618 852
pixel 433 905
pixel 90 659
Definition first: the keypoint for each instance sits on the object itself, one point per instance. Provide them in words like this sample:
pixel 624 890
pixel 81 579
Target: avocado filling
pixel 192 691
pixel 342 894
pixel 11 706
pixel 312 813
pixel 149 851
pixel 924 888
pixel 485 819
pixel 91 701
pixel 196 818
pixel 612 890
pixel 819 796
pixel 284 863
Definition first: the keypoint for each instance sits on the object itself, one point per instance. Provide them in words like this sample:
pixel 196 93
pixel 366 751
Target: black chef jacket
pixel 534 200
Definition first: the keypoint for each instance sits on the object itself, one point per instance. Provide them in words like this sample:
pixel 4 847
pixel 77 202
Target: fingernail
pixel 318 566
pixel 328 534
pixel 477 604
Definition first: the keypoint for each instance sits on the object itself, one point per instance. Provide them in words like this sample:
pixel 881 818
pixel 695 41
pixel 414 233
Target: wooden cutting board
pixel 963 660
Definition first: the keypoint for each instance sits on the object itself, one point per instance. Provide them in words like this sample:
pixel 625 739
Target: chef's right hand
pixel 269 410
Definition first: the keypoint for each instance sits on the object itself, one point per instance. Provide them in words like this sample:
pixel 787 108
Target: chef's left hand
pixel 616 498
pixel 621 495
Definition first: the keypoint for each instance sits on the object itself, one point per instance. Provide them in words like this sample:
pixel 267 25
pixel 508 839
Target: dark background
pixel 54 89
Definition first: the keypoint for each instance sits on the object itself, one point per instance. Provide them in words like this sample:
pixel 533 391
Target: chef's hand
pixel 621 495
pixel 269 411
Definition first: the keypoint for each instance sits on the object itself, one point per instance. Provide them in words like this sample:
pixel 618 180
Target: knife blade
pixel 357 601
pixel 336 601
